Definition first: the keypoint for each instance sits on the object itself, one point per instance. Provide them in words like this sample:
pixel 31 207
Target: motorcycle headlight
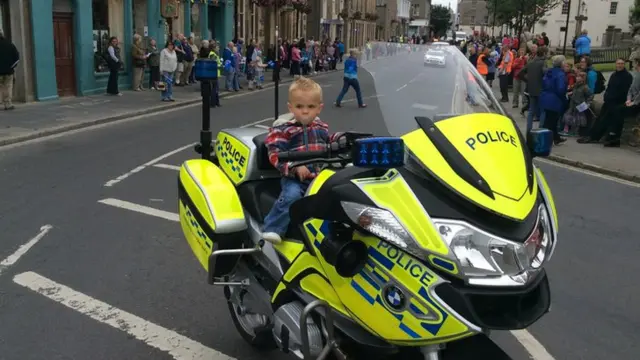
pixel 481 254
pixel 383 224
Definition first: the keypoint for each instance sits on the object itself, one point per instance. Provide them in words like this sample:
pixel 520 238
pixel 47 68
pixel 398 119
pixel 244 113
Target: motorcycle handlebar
pixel 335 147
pixel 302 155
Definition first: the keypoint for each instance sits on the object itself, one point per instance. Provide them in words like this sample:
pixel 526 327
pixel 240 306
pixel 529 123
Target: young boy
pixel 351 79
pixel 304 133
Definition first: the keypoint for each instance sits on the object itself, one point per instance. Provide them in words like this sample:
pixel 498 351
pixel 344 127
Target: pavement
pixel 95 265
pixel 38 119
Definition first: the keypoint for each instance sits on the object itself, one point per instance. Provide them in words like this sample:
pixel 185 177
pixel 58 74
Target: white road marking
pixel 164 156
pixel 533 346
pixel 167 215
pixel 148 163
pixel 589 172
pixel 13 258
pixel 424 107
pixel 401 87
pixel 178 346
pixel 167 166
pixel 366 97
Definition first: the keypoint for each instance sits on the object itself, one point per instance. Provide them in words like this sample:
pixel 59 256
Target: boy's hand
pixel 303 173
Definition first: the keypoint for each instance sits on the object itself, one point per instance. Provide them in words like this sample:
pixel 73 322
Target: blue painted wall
pixel 43 50
pixel 87 81
pixel 204 21
pixel 221 21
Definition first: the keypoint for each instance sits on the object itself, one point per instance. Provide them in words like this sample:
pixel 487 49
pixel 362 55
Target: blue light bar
pixel 206 69
pixel 378 152
pixel 540 142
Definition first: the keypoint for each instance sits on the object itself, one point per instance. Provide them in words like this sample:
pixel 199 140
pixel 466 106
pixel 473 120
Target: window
pixel 139 12
pixel 101 34
pixel 252 26
pixel 415 10
pixel 613 9
pixel 195 22
pixel 565 8
pixel 241 19
pixel 4 19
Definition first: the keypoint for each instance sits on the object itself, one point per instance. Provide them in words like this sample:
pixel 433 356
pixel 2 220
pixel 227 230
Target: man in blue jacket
pixel 583 45
pixel 553 97
pixel 229 63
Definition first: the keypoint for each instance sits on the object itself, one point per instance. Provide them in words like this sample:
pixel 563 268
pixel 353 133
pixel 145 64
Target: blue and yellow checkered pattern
pixel 197 229
pixel 375 276
pixel 232 164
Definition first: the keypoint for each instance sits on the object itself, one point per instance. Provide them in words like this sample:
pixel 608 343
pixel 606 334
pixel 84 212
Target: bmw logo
pixel 394 298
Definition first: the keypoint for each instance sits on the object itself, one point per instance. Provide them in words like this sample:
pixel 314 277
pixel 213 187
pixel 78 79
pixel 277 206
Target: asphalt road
pixel 141 265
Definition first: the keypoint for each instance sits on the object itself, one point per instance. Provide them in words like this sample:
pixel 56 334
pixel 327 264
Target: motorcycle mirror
pixel 540 142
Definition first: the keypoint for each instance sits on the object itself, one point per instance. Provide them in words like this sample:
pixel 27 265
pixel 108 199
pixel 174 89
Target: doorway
pixel 63 50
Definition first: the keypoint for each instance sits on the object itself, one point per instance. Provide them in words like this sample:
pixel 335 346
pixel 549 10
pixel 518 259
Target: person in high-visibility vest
pixel 504 70
pixel 483 62
pixel 215 87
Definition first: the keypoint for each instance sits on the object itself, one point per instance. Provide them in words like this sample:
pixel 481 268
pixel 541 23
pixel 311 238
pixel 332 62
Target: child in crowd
pixel 304 133
pixel 579 106
pixel 571 76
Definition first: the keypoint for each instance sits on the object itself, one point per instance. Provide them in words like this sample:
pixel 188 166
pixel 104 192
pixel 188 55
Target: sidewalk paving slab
pixel 40 119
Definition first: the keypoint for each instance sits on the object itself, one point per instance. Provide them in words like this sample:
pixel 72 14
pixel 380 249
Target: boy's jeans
pixel 277 221
pixel 348 82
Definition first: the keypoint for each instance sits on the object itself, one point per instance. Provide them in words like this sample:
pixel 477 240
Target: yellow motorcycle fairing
pixel 203 221
pixel 233 157
pixel 422 321
pixel 490 146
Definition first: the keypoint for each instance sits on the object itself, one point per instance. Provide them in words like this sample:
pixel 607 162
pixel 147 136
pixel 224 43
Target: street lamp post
pixel 566 27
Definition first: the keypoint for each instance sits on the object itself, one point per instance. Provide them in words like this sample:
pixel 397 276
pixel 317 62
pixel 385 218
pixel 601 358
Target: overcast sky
pixel 454 3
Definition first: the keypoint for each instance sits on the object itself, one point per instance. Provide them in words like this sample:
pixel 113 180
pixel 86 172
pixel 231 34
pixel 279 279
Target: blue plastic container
pixel 540 142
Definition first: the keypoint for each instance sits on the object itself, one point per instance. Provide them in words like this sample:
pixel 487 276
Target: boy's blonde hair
pixel 306 85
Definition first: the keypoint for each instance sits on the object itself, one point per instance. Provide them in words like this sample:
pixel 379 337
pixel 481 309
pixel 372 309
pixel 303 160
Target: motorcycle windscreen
pixel 479 156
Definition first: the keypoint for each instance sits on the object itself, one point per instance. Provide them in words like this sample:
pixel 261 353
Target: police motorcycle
pixel 435 232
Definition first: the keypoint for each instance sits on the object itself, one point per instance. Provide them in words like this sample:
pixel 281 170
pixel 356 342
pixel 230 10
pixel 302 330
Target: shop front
pixel 71 37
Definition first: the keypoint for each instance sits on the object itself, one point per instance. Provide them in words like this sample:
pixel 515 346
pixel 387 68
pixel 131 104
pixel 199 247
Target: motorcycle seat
pixel 262 154
pixel 258 198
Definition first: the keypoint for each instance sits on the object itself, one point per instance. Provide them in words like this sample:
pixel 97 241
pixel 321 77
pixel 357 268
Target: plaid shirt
pixel 293 136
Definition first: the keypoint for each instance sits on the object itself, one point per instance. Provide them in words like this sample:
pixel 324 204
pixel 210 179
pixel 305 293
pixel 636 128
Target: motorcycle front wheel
pixel 253 328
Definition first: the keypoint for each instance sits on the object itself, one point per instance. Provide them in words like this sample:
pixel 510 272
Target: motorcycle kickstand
pixel 431 352
pixel 332 344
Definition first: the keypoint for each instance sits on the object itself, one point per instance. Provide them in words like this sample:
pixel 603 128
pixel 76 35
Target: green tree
pixel 440 19
pixel 634 16
pixel 521 13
